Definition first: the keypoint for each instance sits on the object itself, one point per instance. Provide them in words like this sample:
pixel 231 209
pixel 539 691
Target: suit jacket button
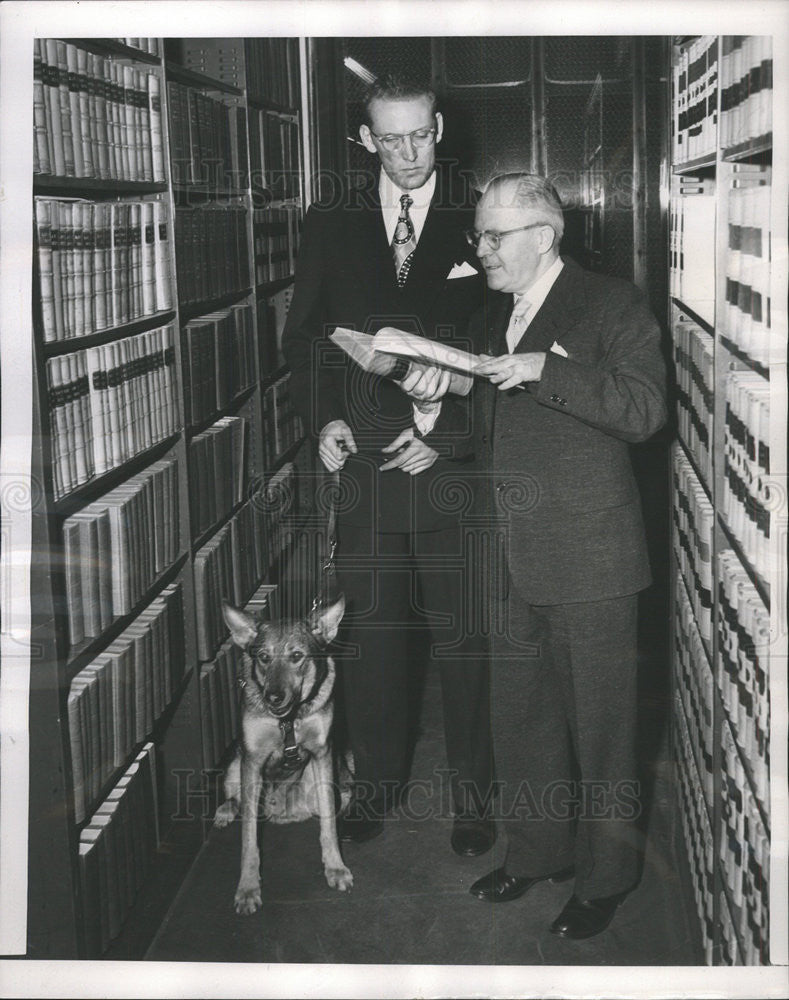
pixel 554 398
pixel 500 487
pixel 484 438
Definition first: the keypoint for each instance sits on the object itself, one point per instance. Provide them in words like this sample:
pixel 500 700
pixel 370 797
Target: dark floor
pixel 410 901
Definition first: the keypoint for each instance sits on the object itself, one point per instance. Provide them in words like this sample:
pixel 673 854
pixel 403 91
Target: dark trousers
pixel 391 581
pixel 564 717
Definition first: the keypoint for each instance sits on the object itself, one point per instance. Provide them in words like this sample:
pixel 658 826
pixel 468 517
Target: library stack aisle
pixel 168 204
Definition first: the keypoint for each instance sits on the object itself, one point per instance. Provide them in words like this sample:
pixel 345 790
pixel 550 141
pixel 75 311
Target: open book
pixel 394 353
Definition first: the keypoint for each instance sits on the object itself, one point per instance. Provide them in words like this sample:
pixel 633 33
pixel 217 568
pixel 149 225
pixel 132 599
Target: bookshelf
pixel 727 254
pixel 173 469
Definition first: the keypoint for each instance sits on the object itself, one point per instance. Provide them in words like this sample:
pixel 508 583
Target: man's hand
pixel 510 370
pixel 335 444
pixel 412 455
pixel 426 386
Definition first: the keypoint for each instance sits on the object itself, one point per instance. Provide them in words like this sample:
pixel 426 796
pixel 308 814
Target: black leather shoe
pixel 357 826
pixel 499 887
pixel 472 837
pixel 583 918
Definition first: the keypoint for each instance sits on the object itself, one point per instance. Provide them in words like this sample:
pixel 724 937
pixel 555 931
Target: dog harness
pixel 292 759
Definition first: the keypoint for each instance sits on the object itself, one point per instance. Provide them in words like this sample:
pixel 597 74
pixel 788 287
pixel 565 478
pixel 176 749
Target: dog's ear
pixel 324 624
pixel 243 627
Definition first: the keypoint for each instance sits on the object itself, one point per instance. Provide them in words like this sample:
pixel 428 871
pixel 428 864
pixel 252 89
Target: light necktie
pixel 403 241
pixel 518 324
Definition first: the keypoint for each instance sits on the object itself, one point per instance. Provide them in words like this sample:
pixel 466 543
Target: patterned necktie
pixel 518 323
pixel 403 241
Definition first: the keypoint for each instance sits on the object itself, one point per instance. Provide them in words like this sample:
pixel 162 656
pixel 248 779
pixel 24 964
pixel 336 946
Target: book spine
pixel 45 273
pixel 162 258
pixel 155 126
pixel 75 109
pixel 66 251
pixel 98 387
pixel 51 77
pixel 42 162
pixel 135 260
pixel 64 103
pixel 81 302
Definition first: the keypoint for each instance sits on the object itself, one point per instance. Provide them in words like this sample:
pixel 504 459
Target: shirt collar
pixel 390 193
pixel 538 292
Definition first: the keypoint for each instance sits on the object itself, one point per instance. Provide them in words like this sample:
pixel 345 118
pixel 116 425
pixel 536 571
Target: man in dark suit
pixel 574 372
pixel 393 253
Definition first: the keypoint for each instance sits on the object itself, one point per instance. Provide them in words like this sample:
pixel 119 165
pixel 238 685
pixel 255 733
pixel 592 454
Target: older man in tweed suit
pixel 573 372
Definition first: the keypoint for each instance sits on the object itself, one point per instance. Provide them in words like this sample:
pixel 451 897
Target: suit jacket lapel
pixel 441 243
pixel 557 312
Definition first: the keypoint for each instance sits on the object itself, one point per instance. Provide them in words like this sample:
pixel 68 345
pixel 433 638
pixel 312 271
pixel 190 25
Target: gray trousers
pixel 563 714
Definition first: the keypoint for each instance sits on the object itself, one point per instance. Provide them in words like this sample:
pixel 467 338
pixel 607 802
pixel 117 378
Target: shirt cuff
pixel 425 422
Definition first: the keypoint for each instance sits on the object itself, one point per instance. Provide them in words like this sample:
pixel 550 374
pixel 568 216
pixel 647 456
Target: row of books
pixel 219 360
pixel 695 100
pixel 743 673
pixel 101 264
pixel 272 311
pixel 281 510
pixel 116 850
pixel 695 389
pixel 275 236
pixel 208 139
pixel 219 696
pixel 220 58
pixel 149 45
pixel 117 546
pixel 694 685
pixel 228 567
pixel 212 252
pixel 694 523
pixel 746 81
pixel 274 156
pixel 109 403
pixel 746 319
pixel 218 471
pixel 283 426
pixel 747 505
pixel 273 70
pixel 115 700
pixel 691 240
pixel 745 855
pixel 237 558
pixel 696 829
pixel 94 117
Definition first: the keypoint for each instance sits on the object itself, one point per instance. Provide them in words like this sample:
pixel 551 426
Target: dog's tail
pixel 229 809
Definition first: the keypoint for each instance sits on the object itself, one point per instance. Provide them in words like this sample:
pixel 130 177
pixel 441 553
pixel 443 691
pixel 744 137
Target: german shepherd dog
pixel 285 749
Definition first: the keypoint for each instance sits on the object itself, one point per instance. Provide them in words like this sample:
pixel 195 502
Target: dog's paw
pixel 226 813
pixel 248 899
pixel 339 878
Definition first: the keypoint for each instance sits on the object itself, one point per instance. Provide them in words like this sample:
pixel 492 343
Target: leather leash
pixel 327 568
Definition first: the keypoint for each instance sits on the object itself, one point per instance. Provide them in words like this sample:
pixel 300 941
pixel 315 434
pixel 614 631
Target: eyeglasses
pixel 493 238
pixel 420 138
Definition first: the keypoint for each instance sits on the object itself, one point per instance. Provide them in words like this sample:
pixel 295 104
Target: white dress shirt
pixel 535 296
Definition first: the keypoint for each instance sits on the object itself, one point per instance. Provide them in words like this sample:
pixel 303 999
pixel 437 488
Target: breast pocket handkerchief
pixel 557 348
pixel 464 270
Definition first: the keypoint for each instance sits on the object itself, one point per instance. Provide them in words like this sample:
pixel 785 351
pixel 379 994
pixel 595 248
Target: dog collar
pixel 292 759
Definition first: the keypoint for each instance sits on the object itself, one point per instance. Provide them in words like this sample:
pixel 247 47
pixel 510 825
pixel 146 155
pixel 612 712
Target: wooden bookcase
pixel 228 85
pixel 728 319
